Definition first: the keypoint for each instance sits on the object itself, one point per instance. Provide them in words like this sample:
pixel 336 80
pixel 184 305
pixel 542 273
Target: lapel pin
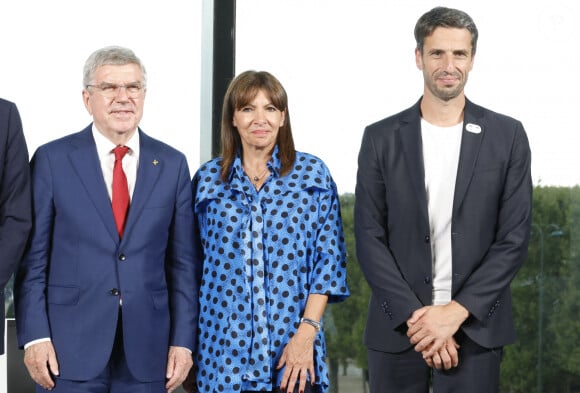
pixel 155 162
pixel 474 128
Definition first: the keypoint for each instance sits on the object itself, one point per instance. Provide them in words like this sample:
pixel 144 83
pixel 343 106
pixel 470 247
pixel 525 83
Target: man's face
pixel 115 99
pixel 446 61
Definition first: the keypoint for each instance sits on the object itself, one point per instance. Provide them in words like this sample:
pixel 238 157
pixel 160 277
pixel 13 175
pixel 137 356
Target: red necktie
pixel 120 199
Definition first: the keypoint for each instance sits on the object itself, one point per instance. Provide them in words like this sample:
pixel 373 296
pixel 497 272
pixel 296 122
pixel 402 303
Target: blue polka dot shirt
pixel 264 252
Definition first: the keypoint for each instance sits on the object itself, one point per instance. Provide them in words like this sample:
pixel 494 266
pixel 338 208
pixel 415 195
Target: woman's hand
pixel 298 356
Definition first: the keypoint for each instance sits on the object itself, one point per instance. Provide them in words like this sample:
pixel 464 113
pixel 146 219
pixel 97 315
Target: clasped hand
pixel 431 330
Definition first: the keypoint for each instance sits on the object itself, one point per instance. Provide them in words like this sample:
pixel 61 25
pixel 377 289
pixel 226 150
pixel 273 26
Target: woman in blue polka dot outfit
pixel 274 253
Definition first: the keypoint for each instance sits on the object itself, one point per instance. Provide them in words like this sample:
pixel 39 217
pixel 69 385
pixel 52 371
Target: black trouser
pixel 407 372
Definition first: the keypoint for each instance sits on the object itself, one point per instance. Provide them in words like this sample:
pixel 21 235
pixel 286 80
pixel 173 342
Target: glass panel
pixel 347 64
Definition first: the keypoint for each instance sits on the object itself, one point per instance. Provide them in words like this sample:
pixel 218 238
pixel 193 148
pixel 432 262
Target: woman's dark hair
pixel 242 91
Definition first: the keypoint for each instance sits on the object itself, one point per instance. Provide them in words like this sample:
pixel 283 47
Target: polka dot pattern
pixel 264 252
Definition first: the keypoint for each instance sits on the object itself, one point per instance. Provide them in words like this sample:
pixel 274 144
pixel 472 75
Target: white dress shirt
pixel 441 147
pixel 107 158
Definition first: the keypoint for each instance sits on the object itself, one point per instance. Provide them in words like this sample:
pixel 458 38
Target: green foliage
pixel 565 324
pixel 349 318
pixel 546 296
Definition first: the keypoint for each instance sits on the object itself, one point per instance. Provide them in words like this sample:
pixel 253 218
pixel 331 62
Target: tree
pixel 348 318
pixel 545 292
pixel 565 324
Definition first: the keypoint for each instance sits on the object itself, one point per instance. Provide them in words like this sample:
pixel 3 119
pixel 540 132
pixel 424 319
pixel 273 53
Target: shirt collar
pixel 274 164
pixel 105 146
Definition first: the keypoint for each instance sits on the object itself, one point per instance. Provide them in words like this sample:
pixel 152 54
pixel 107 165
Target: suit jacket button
pixel 427 280
pixel 427 239
pixel 114 292
pixel 122 257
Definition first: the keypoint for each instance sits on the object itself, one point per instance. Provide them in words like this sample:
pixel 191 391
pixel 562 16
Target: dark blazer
pixel 69 284
pixel 490 224
pixel 15 200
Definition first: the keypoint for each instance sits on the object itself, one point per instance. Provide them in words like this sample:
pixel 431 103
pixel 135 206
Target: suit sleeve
pixel 31 277
pixel 372 237
pixel 15 200
pixel 482 291
pixel 183 266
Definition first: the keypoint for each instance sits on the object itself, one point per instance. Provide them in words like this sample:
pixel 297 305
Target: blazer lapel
pixel 85 161
pixel 147 176
pixel 413 150
pixel 473 132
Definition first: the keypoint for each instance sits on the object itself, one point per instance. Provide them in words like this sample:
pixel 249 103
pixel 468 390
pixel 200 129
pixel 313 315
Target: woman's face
pixel 258 123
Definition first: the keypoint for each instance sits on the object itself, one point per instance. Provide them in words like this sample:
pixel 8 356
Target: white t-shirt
pixel 441 147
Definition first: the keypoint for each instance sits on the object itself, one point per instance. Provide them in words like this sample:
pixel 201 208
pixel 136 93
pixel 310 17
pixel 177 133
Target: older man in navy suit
pixel 107 295
pixel 442 222
pixel 15 205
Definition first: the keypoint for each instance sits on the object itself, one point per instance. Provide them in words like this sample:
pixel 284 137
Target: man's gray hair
pixel 110 55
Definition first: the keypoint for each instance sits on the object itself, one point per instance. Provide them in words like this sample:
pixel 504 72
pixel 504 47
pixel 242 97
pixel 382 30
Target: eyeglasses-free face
pixel 446 61
pixel 258 123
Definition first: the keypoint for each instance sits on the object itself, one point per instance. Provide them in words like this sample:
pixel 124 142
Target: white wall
pixel 348 63
pixel 45 45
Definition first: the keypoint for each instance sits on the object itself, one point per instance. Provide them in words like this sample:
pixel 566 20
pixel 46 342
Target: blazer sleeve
pixel 30 283
pixel 372 238
pixel 183 266
pixel 482 290
pixel 15 199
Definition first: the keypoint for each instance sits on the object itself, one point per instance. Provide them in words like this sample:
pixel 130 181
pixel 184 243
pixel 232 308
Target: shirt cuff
pixel 187 349
pixel 40 340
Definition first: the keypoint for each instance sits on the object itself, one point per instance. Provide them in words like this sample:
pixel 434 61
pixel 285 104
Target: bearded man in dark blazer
pixel 442 223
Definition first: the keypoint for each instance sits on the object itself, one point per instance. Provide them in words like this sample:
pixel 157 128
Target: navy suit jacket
pixel 69 284
pixel 490 224
pixel 15 201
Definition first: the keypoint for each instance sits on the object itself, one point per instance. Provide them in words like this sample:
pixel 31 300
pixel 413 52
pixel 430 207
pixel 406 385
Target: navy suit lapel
pixel 473 132
pixel 85 161
pixel 413 150
pixel 147 176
